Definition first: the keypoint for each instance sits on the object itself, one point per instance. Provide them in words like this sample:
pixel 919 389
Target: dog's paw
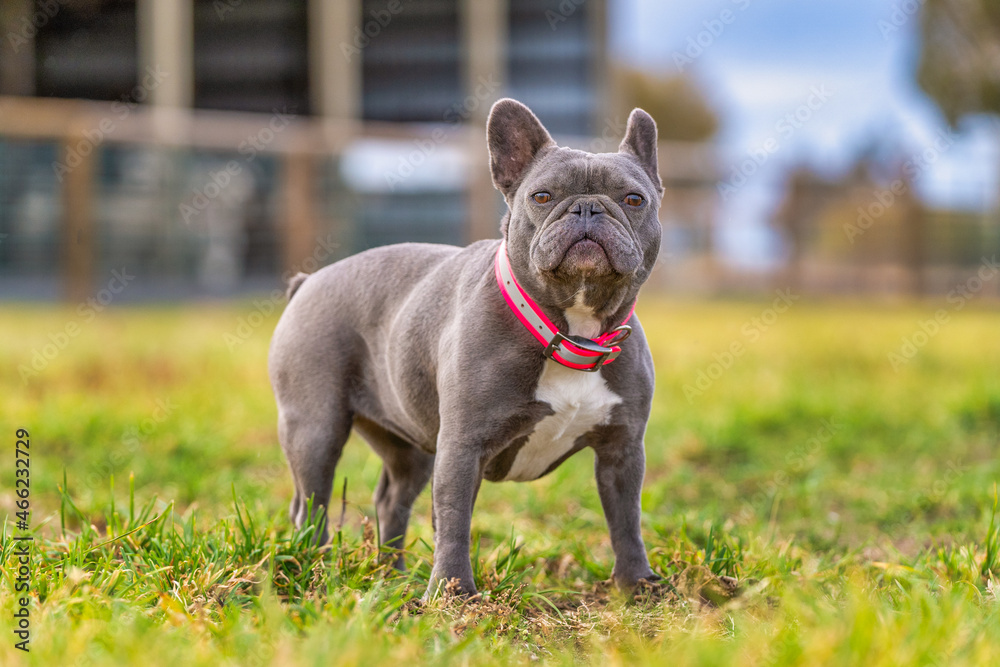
pixel 627 579
pixel 646 588
pixel 447 590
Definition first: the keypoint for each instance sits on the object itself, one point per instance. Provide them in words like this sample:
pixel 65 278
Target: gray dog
pixel 499 360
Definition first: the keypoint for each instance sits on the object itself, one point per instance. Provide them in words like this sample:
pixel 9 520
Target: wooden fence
pixel 81 128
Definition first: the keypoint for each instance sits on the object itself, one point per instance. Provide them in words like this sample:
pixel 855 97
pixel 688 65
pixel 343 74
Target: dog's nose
pixel 586 208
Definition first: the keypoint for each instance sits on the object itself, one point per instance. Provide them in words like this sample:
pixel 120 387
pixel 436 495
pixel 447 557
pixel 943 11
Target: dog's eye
pixel 542 197
pixel 633 200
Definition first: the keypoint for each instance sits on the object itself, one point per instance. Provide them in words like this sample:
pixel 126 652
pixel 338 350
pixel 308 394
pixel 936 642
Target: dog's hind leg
pixel 313 441
pixel 405 472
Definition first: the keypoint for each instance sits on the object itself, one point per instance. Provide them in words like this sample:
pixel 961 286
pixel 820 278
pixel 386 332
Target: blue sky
pixel 760 60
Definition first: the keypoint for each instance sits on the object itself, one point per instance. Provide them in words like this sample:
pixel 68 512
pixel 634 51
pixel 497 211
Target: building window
pixel 88 50
pixel 411 68
pixel 252 55
pixel 550 60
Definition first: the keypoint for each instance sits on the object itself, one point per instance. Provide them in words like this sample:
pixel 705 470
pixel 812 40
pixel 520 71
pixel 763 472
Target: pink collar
pixel 584 354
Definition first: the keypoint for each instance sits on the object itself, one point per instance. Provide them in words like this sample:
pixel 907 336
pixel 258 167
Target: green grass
pixel 854 506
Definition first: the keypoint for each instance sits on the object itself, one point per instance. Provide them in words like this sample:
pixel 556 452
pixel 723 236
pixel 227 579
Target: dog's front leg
pixel 457 476
pixel 619 470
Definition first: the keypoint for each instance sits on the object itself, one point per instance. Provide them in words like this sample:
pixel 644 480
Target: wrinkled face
pixel 580 224
pixel 586 217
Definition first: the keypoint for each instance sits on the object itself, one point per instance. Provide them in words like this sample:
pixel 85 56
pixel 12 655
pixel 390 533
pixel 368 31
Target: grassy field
pixel 809 500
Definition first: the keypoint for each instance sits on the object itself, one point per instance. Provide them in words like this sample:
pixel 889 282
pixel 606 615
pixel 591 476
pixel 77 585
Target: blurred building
pixel 209 146
pixel 386 60
pixel 287 141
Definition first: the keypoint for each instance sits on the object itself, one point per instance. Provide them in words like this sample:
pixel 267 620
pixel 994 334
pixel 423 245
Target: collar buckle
pixel 617 335
pixel 602 353
pixel 575 352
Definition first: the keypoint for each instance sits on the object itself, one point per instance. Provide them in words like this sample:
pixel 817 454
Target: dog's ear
pixel 515 137
pixel 640 141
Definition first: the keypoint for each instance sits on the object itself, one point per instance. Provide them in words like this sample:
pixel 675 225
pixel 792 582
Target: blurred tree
pixel 960 57
pixel 795 216
pixel 676 103
pixel 960 70
pixel 867 218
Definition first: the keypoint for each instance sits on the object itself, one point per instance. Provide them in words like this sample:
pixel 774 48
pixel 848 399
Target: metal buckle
pixel 623 332
pixel 582 343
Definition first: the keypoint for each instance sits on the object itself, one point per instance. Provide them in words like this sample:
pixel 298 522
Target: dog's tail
pixel 294 283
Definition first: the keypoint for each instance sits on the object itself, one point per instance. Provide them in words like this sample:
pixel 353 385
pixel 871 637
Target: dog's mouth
pixel 586 256
pixel 597 247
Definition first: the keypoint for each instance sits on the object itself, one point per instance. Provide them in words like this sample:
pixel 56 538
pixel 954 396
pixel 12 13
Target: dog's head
pixel 578 222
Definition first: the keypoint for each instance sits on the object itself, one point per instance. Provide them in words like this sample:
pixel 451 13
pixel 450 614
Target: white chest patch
pixel 581 401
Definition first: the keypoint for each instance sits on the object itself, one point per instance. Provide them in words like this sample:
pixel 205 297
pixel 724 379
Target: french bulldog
pixel 496 361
